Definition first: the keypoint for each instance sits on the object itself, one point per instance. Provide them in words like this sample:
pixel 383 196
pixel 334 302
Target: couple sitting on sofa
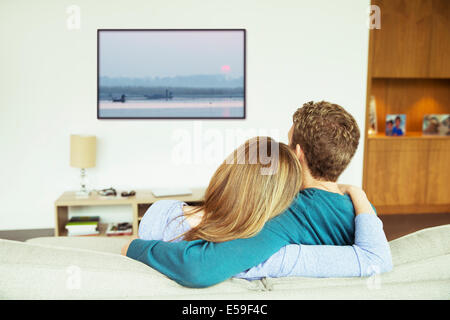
pixel 277 218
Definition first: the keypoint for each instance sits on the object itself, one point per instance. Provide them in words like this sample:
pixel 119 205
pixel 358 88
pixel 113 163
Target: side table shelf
pixel 139 203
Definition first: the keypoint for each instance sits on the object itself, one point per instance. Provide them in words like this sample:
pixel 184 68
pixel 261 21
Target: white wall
pixel 297 51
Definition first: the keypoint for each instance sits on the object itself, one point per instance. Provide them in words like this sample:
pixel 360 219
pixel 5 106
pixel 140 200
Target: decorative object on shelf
pixel 131 193
pixel 167 192
pixel 109 192
pixel 83 155
pixel 436 124
pixel 83 226
pixel 119 229
pixel 395 124
pixel 373 127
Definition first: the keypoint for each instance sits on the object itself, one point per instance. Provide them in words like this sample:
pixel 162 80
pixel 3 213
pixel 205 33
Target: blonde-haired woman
pixel 257 182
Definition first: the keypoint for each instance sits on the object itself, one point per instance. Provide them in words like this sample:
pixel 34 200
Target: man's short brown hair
pixel 328 136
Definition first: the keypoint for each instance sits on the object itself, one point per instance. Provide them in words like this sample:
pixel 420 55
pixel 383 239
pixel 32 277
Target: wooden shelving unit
pixel 409 73
pixel 409 135
pixel 139 203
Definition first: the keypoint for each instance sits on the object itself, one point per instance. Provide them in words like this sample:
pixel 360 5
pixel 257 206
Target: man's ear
pixel 299 152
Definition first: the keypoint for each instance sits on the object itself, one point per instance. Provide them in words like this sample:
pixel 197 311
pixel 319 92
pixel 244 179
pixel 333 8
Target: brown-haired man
pixel 325 137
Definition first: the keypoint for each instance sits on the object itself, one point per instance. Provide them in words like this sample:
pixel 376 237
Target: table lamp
pixel 82 155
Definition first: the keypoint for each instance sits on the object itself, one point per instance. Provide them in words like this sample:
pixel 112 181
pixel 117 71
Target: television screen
pixel 165 74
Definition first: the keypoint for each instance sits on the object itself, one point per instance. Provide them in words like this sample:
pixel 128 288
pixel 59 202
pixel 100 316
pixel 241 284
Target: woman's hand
pixel 347 188
pixel 359 198
pixel 125 247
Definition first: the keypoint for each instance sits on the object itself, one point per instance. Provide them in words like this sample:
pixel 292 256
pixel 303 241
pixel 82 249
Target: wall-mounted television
pixel 171 74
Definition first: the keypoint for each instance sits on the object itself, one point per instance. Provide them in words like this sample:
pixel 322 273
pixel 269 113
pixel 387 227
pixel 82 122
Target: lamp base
pixel 82 194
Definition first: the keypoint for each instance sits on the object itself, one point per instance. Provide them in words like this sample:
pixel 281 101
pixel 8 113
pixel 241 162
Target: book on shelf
pixel 84 219
pixel 119 229
pixel 83 226
pixel 87 233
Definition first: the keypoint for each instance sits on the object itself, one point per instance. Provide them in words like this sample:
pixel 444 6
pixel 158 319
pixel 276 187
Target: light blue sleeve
pixel 369 255
pixel 161 221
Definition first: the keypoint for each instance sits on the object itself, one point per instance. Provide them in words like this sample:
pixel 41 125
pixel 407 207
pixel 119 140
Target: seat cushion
pixel 422 244
pixel 36 271
pixel 421 271
pixel 101 244
pixel 91 268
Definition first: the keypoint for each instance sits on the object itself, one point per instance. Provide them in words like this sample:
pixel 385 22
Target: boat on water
pixel 121 99
pixel 167 96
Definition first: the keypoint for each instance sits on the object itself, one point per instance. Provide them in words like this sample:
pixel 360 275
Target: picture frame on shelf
pixel 436 124
pixel 395 125
pixel 373 127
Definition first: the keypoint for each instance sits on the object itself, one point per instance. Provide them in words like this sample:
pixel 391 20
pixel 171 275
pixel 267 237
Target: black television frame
pixel 173 118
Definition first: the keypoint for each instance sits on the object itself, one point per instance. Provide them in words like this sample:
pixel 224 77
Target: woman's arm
pixel 370 254
pixel 202 264
pixel 198 263
pixel 359 198
pixel 154 223
pixel 124 249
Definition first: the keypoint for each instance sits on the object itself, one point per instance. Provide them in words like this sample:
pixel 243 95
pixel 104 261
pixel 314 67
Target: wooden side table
pixel 139 203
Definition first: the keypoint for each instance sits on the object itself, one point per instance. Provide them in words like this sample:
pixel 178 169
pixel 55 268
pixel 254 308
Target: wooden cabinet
pixel 414 39
pixel 440 40
pixel 409 73
pixel 401 45
pixel 438 173
pixel 392 165
pixel 408 174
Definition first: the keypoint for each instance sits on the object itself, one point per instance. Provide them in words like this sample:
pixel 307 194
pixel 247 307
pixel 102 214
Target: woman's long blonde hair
pixel 257 182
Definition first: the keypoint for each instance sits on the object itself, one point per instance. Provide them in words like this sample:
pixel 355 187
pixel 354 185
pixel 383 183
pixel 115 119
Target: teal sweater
pixel 315 217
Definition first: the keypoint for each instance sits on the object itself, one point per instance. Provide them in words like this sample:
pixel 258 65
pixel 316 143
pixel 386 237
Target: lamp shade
pixel 82 151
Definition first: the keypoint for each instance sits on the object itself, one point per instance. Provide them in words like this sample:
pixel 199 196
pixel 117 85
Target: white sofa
pixel 92 268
